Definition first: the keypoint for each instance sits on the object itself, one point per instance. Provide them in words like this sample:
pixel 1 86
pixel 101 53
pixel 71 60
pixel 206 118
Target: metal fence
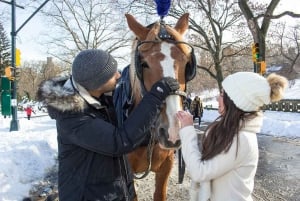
pixel 285 105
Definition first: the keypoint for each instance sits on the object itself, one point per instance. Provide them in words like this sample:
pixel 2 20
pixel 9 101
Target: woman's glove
pixel 164 87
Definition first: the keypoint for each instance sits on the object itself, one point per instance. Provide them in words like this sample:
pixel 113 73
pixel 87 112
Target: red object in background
pixel 28 111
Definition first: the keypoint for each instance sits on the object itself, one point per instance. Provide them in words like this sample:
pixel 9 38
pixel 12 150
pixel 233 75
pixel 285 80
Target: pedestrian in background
pixel 197 109
pixel 29 111
pixel 187 103
pixel 224 167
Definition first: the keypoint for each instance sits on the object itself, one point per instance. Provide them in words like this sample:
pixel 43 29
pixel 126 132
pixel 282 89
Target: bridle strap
pixel 180 93
pixel 139 43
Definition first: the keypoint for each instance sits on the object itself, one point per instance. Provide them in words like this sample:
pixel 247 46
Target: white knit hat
pixel 249 91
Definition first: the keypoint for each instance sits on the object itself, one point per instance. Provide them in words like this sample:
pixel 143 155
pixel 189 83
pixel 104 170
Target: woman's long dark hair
pixel 222 131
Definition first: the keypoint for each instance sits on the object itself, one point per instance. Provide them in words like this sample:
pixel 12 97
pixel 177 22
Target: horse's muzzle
pixel 165 143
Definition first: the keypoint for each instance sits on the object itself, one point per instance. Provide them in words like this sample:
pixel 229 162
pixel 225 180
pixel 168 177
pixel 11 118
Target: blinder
pixel 191 66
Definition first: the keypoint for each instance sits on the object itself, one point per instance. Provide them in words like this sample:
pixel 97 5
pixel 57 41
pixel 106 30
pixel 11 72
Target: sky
pixel 30 41
pixel 27 154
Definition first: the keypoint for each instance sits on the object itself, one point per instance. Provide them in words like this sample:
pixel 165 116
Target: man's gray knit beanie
pixel 92 68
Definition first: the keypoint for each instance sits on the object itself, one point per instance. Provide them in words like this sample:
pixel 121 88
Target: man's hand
pixel 164 87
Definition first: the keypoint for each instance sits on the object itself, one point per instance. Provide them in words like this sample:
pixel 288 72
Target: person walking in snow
pixel 225 166
pixel 197 109
pixel 91 148
pixel 29 111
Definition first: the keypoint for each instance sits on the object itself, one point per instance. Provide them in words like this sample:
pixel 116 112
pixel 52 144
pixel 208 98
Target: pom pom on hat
pixel 278 84
pixel 249 91
pixel 92 68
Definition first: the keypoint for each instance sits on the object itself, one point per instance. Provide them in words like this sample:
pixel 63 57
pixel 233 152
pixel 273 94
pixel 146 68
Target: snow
pixel 27 154
pixel 275 123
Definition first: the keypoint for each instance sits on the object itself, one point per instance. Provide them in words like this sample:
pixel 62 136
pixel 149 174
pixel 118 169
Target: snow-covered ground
pixel 25 155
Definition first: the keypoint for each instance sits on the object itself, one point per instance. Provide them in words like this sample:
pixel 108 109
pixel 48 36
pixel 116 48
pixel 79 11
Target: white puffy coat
pixel 227 176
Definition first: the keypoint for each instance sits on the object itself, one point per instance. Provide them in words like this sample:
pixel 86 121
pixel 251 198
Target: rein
pixel 149 156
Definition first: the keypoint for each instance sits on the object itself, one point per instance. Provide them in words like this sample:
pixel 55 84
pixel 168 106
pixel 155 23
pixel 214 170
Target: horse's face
pixel 156 57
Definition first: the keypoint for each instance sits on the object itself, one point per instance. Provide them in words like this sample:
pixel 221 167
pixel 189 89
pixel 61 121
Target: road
pixel 277 177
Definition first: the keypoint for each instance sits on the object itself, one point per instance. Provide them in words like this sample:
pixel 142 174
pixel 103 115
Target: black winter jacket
pixel 91 149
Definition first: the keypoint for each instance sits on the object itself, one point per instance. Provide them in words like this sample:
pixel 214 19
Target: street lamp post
pixel 14 124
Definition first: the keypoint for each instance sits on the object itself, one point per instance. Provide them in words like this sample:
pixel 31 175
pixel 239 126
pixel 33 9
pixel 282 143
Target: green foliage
pixel 4 50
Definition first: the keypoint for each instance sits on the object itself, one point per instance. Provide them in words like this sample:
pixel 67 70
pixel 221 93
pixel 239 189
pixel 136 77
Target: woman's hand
pixel 185 118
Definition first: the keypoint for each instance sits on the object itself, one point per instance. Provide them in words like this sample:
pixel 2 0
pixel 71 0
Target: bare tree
pixel 85 24
pixel 33 73
pixel 289 44
pixel 259 31
pixel 28 79
pixel 4 50
pixel 217 32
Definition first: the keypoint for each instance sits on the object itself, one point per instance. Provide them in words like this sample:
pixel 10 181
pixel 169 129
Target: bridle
pixel 164 36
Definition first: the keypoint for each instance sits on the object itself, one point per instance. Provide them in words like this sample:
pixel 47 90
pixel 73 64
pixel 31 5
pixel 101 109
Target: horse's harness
pixel 190 73
pixel 163 35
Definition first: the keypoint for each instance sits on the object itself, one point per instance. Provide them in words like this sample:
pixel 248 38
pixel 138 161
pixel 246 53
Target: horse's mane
pixel 135 87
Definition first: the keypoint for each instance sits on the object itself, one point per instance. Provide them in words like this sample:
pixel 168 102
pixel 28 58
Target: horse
pixel 158 50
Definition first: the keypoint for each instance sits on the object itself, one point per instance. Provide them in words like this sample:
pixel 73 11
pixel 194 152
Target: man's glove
pixel 164 87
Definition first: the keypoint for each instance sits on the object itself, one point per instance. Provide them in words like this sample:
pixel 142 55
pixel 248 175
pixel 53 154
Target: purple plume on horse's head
pixel 162 7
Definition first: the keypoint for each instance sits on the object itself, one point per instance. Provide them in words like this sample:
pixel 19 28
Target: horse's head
pixel 159 51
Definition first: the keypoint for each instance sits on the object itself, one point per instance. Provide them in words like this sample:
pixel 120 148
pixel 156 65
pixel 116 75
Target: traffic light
pixel 255 52
pixel 261 67
pixel 18 57
pixel 8 72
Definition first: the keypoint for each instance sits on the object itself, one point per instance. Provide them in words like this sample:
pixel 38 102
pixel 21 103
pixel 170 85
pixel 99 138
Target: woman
pixel 226 166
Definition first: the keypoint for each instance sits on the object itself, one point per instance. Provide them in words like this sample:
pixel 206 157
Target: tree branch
pixel 289 13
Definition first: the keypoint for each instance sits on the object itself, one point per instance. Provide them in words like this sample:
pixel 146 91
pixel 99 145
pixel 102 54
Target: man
pixel 91 148
pixel 197 109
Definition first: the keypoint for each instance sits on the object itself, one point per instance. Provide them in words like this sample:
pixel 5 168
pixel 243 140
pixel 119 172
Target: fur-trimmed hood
pixel 58 94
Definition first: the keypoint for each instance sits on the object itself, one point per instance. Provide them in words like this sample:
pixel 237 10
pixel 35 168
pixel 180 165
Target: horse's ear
pixel 138 29
pixel 182 24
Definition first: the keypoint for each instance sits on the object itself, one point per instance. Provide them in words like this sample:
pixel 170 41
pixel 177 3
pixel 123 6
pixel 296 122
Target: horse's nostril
pixel 163 138
pixel 178 143
pixel 162 131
